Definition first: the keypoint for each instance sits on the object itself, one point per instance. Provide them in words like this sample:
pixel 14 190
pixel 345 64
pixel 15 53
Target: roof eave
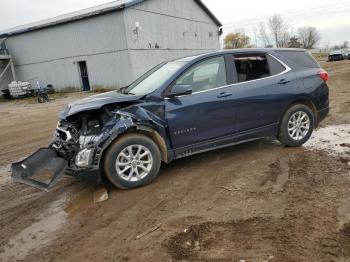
pixel 207 10
pixel 69 19
pixel 31 27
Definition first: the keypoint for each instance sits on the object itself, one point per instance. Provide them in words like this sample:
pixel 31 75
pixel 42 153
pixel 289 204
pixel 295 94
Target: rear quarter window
pixel 275 66
pixel 301 58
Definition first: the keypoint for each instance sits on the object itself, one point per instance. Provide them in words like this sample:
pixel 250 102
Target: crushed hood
pixel 96 102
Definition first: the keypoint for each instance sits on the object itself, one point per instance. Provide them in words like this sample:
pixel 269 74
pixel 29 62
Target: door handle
pixel 283 81
pixel 223 95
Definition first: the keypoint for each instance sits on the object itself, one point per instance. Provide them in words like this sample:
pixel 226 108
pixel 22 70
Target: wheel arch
pixel 156 137
pixel 142 130
pixel 302 101
pixel 138 129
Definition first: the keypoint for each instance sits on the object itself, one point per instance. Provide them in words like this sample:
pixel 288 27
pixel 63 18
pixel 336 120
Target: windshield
pixel 154 79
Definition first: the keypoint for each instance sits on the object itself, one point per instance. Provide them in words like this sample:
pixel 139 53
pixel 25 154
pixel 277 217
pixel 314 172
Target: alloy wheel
pixel 299 125
pixel 134 163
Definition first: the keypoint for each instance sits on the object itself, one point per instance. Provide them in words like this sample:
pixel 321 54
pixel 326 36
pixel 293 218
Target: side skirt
pixel 231 140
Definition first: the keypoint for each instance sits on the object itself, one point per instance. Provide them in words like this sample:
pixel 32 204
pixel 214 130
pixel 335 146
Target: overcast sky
pixel 331 17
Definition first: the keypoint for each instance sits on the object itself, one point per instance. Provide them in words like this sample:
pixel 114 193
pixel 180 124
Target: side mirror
pixel 180 90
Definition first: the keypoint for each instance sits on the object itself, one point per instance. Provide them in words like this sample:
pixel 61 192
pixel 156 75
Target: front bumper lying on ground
pixel 40 170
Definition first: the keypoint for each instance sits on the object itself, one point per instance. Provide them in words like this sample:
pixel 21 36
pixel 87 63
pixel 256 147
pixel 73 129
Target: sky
pixel 330 17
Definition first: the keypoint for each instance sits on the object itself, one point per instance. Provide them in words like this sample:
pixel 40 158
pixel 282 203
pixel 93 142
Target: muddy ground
pixel 253 202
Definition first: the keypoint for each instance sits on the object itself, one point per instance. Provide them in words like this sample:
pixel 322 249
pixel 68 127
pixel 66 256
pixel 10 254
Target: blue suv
pixel 185 107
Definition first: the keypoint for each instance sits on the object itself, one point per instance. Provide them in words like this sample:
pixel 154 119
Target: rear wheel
pixel 297 126
pixel 132 161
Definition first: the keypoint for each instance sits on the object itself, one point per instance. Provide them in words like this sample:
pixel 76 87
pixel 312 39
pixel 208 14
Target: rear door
pixel 207 113
pixel 263 84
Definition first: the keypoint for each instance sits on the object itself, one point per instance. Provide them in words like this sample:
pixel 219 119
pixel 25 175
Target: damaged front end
pixel 79 142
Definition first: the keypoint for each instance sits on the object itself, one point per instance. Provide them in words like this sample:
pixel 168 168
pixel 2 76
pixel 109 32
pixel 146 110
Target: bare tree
pixel 279 30
pixel 285 37
pixel 309 36
pixel 263 35
pixel 255 32
pixel 345 45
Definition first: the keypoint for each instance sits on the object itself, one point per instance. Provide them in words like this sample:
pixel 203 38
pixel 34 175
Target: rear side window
pixel 301 58
pixel 251 67
pixel 275 66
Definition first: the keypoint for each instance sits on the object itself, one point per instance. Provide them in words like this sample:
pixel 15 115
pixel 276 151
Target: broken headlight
pixel 84 158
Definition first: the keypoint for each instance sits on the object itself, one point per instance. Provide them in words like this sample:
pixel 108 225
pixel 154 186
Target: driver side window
pixel 205 75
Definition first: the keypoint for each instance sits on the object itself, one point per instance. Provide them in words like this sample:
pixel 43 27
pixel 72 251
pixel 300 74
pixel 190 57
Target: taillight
pixel 324 75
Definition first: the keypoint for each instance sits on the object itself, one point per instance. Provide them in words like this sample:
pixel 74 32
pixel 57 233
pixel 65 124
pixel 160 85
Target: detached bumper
pixel 40 170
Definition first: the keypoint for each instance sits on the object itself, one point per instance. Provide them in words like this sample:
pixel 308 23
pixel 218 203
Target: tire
pixel 299 138
pixel 119 151
pixel 40 100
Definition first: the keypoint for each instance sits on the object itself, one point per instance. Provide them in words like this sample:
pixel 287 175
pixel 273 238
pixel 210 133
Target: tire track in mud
pixel 307 231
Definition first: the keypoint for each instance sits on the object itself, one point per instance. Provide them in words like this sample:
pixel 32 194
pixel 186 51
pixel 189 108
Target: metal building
pixel 110 45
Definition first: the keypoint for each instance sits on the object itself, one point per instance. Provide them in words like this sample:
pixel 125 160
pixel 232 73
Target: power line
pixel 328 10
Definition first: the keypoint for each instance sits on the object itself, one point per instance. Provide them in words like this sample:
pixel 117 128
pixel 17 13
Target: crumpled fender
pixel 138 118
pixel 140 114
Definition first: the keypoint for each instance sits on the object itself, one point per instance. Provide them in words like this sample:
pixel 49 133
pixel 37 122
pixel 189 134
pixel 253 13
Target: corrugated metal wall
pixel 50 55
pixel 114 52
pixel 179 28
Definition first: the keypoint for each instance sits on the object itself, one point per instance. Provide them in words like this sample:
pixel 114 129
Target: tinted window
pixel 205 75
pixel 275 66
pixel 251 67
pixel 301 58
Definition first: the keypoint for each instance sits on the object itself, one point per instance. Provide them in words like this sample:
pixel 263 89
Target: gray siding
pixel 49 55
pixel 169 32
pixel 96 35
pixel 105 70
pixel 185 9
pixel 180 28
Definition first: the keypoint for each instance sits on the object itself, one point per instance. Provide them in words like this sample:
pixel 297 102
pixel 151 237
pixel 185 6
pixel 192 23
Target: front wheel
pixel 297 126
pixel 132 161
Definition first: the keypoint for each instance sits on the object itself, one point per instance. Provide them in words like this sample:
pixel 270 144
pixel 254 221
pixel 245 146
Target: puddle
pixel 37 235
pixel 43 231
pixel 79 201
pixel 333 139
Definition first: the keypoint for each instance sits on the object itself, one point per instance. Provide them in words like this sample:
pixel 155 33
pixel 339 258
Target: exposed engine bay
pixel 84 132
pixel 79 139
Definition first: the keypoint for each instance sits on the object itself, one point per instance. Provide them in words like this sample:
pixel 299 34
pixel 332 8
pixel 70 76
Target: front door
pixel 207 113
pixel 84 75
